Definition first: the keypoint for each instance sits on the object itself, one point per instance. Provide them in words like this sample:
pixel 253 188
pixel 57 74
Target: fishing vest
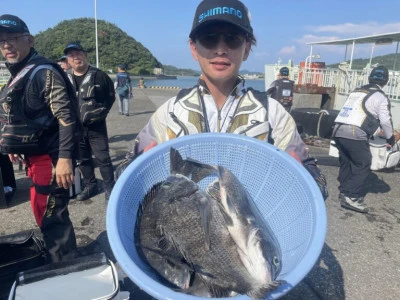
pixel 122 84
pixel 284 91
pixel 188 117
pixel 354 111
pixel 20 133
pixel 90 110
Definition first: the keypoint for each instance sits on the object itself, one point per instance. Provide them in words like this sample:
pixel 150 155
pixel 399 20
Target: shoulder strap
pixel 260 96
pixel 183 92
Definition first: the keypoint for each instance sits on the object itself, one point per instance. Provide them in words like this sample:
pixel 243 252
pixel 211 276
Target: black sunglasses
pixel 210 40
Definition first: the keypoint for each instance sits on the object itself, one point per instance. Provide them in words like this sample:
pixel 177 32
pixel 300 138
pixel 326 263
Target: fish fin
pixel 231 207
pixel 167 243
pixel 227 218
pixel 213 190
pixel 260 291
pixel 150 195
pixel 199 170
pixel 176 160
pixel 205 215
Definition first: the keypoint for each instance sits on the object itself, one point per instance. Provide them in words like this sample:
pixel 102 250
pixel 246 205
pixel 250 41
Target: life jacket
pixel 284 91
pixel 123 84
pixel 354 111
pixel 90 109
pixel 20 133
pixel 250 119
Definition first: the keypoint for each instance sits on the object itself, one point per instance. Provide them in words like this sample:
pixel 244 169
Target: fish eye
pixel 166 184
pixel 276 261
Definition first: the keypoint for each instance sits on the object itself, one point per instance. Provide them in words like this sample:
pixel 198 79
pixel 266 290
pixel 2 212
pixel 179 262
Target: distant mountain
pixel 171 70
pixel 242 72
pixel 385 60
pixel 115 45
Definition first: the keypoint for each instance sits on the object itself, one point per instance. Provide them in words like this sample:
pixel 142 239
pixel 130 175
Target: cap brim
pixel 210 22
pixel 66 50
pixel 10 29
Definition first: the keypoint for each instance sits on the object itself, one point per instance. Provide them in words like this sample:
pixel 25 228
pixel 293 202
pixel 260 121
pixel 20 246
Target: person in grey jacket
pixel 366 109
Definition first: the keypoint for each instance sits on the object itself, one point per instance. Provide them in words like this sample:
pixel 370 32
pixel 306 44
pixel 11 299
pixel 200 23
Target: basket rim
pixel 162 292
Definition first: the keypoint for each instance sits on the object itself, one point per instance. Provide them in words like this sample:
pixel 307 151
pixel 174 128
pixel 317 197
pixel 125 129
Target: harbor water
pixel 189 81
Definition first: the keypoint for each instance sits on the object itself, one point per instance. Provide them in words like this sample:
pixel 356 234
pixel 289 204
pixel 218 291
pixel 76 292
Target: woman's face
pixel 220 50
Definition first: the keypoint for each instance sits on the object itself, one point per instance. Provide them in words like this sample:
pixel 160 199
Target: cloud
pixel 260 54
pixel 355 30
pixel 288 50
pixel 331 32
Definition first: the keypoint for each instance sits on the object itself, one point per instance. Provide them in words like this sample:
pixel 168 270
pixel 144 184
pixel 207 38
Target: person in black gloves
pixel 366 109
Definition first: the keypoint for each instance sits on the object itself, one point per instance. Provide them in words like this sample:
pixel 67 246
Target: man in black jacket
pixel 39 118
pixel 96 94
pixel 282 89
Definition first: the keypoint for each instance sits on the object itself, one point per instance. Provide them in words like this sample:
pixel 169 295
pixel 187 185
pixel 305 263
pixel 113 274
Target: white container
pixel 333 150
pixel 89 277
pixel 382 158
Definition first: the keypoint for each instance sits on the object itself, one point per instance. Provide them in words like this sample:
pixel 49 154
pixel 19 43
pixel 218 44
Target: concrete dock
pixel 361 255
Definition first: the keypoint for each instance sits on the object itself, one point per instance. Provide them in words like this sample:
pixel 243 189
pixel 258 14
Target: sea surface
pixel 190 81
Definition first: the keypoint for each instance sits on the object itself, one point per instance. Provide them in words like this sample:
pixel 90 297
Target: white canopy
pixel 378 39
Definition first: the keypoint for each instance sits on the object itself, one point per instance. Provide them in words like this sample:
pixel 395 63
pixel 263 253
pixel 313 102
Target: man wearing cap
pixel 220 40
pixel 62 61
pixel 124 90
pixel 96 94
pixel 366 109
pixel 282 89
pixel 39 118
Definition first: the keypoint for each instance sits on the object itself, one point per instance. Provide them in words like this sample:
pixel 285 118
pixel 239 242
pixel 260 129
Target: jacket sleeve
pixel 284 131
pixel 104 89
pixel 286 137
pixel 155 130
pixel 48 88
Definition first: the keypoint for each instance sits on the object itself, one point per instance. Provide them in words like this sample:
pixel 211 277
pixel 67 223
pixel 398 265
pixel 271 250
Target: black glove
pixel 311 165
pixel 129 158
pixel 391 141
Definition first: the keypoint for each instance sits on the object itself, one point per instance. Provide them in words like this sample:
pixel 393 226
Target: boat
pixel 324 88
pixel 163 76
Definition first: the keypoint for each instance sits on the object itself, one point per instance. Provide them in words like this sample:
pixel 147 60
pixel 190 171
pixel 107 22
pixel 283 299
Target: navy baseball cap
pixel 62 58
pixel 73 46
pixel 284 71
pixel 122 67
pixel 13 24
pixel 379 75
pixel 216 11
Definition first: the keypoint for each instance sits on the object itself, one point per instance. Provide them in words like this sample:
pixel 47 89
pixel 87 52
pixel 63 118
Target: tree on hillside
pixel 115 45
pixel 385 60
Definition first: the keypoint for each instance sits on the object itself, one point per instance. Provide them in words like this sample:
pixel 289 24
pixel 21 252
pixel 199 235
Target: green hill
pixel 115 45
pixel 385 60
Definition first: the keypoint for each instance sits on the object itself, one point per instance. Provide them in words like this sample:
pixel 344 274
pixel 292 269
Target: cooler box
pixel 87 277
pixel 382 158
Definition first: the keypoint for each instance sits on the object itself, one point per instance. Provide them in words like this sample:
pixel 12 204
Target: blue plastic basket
pixel 284 192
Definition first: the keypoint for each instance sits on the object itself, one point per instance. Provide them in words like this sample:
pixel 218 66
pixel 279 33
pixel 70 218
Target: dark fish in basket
pixel 257 245
pixel 169 263
pixel 184 234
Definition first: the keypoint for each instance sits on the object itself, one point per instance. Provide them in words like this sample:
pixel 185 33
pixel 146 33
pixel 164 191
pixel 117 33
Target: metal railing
pixel 345 81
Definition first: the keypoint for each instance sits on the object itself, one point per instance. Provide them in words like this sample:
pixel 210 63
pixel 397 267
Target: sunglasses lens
pixel 234 41
pixel 211 40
